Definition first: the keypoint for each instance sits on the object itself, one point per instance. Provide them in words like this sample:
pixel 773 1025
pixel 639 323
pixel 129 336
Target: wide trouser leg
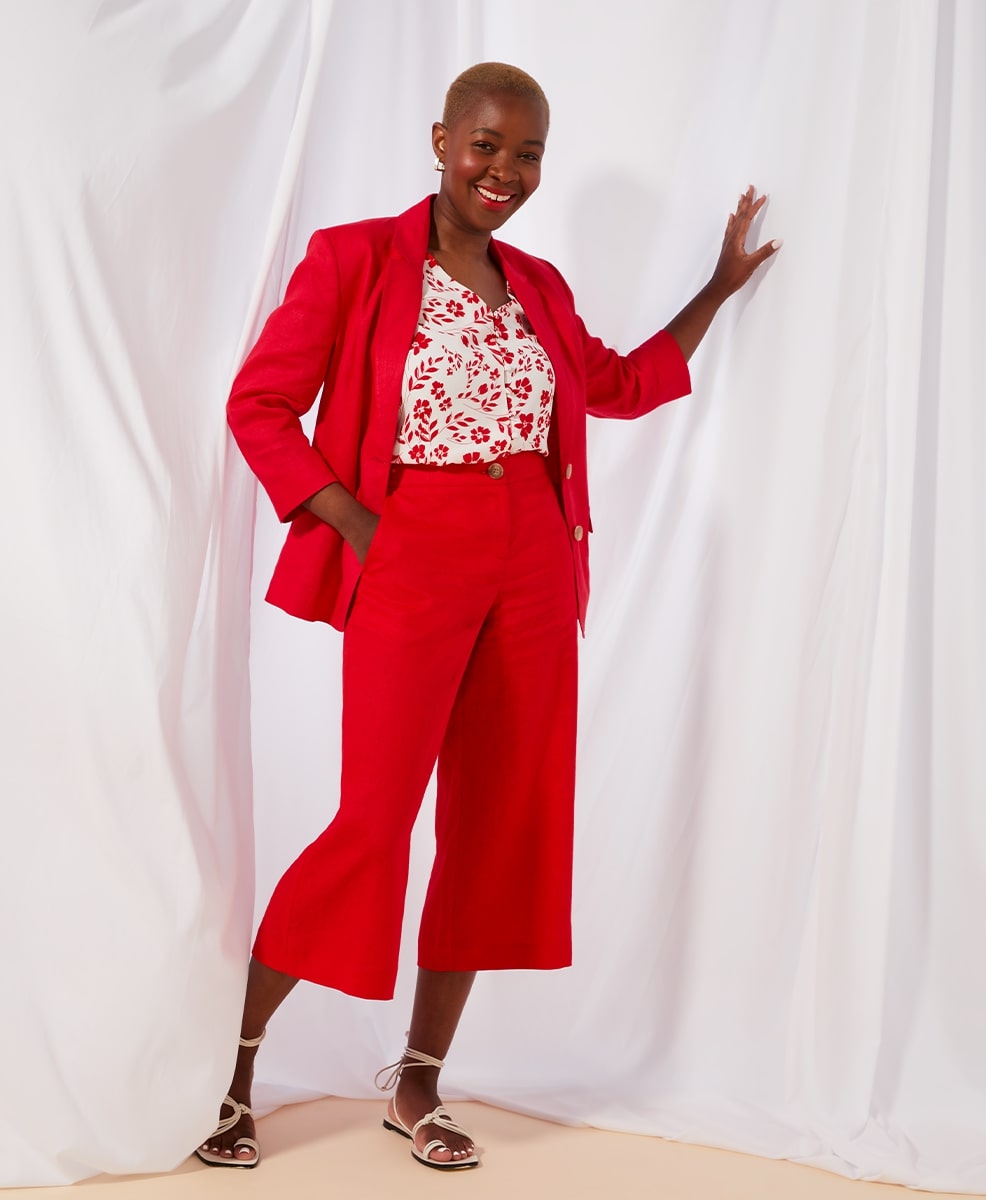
pixel 500 890
pixel 427 597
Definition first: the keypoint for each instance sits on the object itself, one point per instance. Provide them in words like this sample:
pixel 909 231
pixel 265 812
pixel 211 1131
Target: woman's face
pixel 492 155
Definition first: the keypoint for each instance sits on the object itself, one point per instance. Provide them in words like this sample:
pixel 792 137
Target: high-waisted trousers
pixel 461 646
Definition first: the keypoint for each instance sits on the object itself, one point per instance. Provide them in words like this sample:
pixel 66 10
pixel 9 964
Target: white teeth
pixel 493 196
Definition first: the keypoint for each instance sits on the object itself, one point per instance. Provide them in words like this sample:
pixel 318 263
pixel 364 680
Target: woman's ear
pixel 438 134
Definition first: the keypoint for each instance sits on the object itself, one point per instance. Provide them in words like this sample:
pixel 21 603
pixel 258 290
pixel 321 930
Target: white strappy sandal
pixel 227 1123
pixel 439 1117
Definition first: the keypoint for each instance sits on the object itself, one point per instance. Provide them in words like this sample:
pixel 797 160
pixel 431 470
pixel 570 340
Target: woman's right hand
pixel 361 535
pixel 338 508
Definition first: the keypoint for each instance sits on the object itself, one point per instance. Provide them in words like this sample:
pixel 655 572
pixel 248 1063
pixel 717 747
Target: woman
pixel 447 478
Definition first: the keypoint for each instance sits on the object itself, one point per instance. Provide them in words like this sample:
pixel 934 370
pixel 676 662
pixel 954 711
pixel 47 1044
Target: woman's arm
pixel 733 270
pixel 281 378
pixel 627 386
pixel 339 508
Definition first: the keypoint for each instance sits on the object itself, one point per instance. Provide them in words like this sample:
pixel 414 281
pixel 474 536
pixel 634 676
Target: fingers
pixel 730 222
pixel 749 205
pixel 738 223
pixel 736 264
pixel 744 202
pixel 765 252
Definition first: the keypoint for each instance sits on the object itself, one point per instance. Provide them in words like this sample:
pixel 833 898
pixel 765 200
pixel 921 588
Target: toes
pixel 447 1154
pixel 441 1154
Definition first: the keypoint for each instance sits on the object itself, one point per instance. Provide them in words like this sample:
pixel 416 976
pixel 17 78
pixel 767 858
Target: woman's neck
pixel 447 240
pixel 465 256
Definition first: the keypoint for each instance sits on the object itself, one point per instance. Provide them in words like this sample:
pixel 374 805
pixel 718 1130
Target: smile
pixel 497 198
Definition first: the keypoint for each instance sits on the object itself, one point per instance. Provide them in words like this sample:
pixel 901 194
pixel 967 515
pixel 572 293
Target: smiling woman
pixel 440 517
pixel 489 146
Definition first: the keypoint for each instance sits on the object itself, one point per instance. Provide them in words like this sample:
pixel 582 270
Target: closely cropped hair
pixel 488 77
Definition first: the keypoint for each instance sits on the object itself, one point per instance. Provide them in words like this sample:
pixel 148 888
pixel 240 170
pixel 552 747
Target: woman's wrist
pixel 339 508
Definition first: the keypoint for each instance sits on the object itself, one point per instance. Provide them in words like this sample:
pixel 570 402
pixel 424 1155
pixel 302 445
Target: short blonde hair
pixel 488 77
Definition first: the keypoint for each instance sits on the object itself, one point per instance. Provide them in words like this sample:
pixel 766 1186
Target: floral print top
pixel 477 383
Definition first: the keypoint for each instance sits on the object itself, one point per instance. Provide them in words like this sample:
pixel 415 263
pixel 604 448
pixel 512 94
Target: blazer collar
pixel 530 293
pixel 411 232
pixel 410 245
pixel 410 241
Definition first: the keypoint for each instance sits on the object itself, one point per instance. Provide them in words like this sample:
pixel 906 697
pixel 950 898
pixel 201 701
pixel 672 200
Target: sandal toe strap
pixel 440 1118
pixel 434 1144
pixel 227 1123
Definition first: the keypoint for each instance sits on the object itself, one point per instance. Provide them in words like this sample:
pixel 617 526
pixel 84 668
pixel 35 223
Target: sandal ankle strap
pixel 248 1042
pixel 410 1058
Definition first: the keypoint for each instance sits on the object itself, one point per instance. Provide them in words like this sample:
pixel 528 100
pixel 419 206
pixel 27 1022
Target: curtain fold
pixel 147 153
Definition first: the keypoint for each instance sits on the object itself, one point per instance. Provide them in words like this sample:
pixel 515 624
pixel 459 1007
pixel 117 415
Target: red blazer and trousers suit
pixel 436 657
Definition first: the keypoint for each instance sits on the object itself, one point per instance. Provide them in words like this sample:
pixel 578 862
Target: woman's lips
pixel 494 200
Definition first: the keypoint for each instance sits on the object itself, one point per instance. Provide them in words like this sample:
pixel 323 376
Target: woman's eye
pixel 531 158
pixel 482 145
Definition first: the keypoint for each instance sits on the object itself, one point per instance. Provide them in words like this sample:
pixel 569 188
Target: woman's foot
pixel 417 1095
pixel 233 1143
pixel 438 1002
pixel 236 1144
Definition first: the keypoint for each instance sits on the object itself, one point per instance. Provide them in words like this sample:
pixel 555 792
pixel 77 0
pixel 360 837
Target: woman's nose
pixel 502 168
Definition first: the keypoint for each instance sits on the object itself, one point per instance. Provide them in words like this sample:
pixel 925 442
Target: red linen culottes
pixel 461 646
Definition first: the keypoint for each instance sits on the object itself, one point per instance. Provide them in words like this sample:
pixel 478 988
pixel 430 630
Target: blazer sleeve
pixel 281 379
pixel 627 386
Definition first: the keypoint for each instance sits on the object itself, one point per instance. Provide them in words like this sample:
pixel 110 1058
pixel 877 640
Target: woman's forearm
pixel 692 323
pixel 339 508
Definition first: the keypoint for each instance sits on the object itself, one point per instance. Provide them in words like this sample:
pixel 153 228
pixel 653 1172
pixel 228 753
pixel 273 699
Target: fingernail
pixel 777 243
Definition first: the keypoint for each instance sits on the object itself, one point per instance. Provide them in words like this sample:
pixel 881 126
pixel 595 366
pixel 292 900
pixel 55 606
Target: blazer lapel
pixel 530 294
pixel 400 306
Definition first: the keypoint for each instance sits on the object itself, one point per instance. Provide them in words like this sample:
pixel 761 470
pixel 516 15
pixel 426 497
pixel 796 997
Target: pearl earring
pixel 439 165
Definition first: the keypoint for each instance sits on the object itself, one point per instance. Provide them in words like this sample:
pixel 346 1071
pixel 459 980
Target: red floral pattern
pixel 477 382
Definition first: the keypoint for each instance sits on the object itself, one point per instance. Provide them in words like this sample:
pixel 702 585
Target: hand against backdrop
pixel 735 267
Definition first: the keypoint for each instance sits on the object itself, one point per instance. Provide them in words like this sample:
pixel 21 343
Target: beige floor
pixel 332 1149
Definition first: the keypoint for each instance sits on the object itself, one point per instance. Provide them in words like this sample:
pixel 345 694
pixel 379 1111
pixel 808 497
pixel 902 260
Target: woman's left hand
pixel 735 266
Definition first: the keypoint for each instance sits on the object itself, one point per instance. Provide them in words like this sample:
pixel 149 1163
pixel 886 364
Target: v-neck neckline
pixel 435 265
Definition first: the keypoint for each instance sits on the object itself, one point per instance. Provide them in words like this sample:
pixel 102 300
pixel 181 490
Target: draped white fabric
pixel 781 828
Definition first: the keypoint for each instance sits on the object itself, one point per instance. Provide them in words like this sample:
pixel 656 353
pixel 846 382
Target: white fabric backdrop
pixel 782 839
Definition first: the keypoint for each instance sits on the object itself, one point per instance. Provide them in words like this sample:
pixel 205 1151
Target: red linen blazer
pixel 345 327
